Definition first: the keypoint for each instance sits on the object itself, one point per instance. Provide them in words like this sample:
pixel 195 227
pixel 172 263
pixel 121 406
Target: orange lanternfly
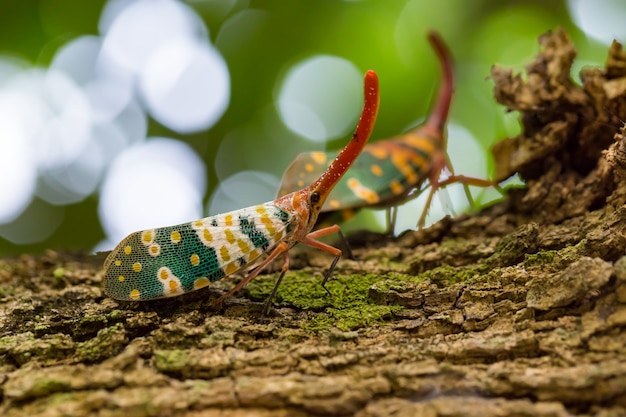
pixel 170 261
pixel 392 171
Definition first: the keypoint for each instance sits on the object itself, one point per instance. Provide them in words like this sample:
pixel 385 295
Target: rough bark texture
pixel 519 310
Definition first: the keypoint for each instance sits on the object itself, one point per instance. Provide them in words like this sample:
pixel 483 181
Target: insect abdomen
pixel 173 260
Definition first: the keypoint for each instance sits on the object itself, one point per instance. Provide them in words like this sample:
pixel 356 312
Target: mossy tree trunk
pixel 518 310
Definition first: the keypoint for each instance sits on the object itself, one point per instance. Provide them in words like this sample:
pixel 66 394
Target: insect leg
pixel 478 182
pixel 347 245
pixel 467 181
pixel 281 248
pixel 439 161
pixel 327 231
pixel 391 215
pixel 268 303
pixel 310 240
pixel 422 220
pixel 452 179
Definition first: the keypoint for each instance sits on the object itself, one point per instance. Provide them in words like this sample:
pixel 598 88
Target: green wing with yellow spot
pixel 385 173
pixel 173 260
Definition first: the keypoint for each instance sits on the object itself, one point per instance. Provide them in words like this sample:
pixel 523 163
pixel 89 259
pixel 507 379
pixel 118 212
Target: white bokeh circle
pixel 186 85
pixel 133 31
pixel 156 183
pixel 320 97
pixel 243 189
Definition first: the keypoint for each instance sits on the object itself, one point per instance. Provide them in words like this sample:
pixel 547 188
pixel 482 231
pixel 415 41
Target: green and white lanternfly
pixel 174 260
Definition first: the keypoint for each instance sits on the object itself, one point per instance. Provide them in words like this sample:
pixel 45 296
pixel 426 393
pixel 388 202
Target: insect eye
pixel 315 197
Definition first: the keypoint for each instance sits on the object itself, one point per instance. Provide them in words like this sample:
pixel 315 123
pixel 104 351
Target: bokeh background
pixel 121 115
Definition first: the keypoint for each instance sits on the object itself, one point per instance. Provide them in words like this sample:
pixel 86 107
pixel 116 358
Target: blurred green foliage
pixel 259 46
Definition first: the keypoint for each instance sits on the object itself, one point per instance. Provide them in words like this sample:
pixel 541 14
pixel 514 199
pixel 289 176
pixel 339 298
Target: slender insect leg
pixel 347 245
pixel 323 232
pixel 466 189
pixel 391 215
pixel 310 240
pixel 281 248
pixel 284 269
pixel 422 220
pixel 452 179
pixel 468 195
pixel 327 231
pixel 329 273
pixel 467 181
pixel 478 182
pixel 439 161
